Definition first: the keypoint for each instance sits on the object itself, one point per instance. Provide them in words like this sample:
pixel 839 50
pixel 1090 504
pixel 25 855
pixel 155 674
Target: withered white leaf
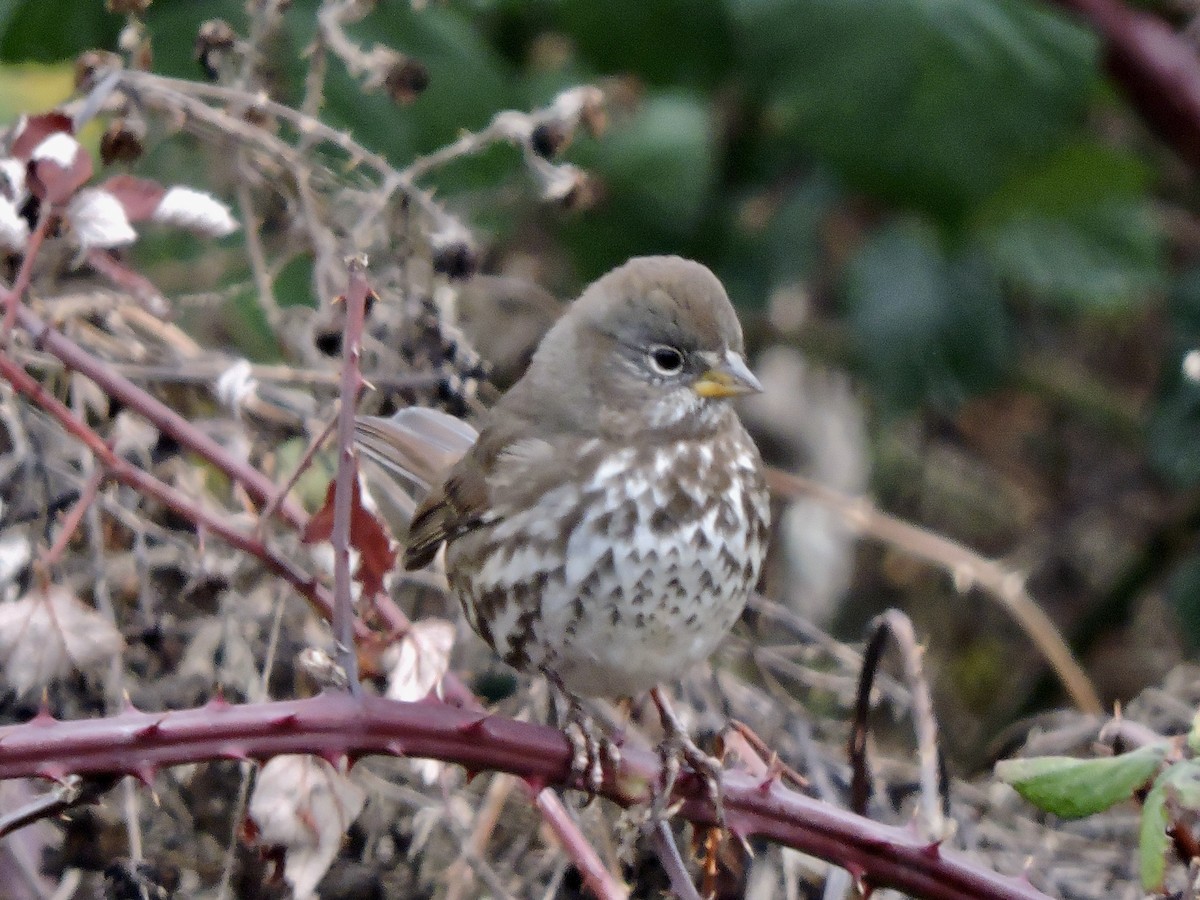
pixel 14 230
pixel 419 661
pixel 15 553
pixel 98 220
pixel 45 634
pixel 195 210
pixel 304 805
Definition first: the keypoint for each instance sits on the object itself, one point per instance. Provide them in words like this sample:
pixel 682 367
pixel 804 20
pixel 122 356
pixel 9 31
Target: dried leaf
pixel 12 179
pixel 46 633
pixel 58 167
pixel 98 220
pixel 14 230
pixel 35 129
pixel 368 536
pixel 419 661
pixel 195 210
pixel 305 806
pixel 15 553
pixel 139 197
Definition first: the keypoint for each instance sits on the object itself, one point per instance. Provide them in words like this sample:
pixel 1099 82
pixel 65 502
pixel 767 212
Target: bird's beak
pixel 729 376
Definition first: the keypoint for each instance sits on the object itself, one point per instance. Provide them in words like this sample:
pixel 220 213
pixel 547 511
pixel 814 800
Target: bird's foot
pixel 591 747
pixel 677 747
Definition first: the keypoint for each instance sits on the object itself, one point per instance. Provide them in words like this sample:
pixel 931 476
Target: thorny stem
pixel 347 470
pixel 330 19
pixel 314 446
pixel 205 372
pixel 581 852
pixel 137 284
pixel 25 273
pixel 338 726
pixel 165 419
pixel 596 877
pixel 72 519
pixel 146 484
pixel 179 89
pixel 668 854
pixel 162 86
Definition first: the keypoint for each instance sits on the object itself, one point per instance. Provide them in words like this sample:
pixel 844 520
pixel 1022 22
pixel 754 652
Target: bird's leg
pixel 590 746
pixel 676 745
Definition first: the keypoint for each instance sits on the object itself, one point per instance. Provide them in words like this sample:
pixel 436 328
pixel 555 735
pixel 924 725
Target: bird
pixel 611 519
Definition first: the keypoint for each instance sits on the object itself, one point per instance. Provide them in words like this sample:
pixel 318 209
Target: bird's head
pixel 654 344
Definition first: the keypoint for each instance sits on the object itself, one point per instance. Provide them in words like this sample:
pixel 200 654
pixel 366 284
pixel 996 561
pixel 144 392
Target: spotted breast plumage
pixel 611 520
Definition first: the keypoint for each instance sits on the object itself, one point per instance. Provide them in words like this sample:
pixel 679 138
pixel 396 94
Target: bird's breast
pixel 625 572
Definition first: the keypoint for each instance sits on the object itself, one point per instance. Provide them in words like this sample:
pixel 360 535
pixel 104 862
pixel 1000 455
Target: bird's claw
pixel 591 749
pixel 676 748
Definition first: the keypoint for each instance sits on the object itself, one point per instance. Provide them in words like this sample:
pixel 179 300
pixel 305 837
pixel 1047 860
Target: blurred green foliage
pixel 967 117
pixel 958 145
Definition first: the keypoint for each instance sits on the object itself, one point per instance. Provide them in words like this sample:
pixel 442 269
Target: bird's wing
pixel 501 464
pixel 458 505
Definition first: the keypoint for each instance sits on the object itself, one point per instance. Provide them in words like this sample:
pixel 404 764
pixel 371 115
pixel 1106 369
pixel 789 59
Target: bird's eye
pixel 666 360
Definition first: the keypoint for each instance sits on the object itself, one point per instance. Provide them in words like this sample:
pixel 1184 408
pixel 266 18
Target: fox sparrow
pixel 611 519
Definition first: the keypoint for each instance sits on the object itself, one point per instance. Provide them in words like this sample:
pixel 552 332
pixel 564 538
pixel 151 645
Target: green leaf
pixel 1105 258
pixel 34 88
pixel 1178 788
pixel 665 42
pixel 929 103
pixel 665 159
pixel 54 30
pixel 1073 788
pixel 930 327
pixel 660 171
pixel 1079 176
pixel 1077 231
pixel 791 244
pixel 1152 838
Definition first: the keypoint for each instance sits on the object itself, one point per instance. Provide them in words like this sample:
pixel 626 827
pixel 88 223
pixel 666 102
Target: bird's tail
pixel 406 455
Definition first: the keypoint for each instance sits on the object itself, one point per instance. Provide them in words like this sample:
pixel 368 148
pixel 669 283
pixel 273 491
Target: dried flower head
pixel 454 253
pixel 215 38
pixel 122 141
pixel 549 139
pixel 90 63
pixel 406 80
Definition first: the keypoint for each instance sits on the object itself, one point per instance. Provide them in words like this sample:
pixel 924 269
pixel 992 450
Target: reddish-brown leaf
pixel 139 196
pixel 37 129
pixel 368 536
pixel 58 167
